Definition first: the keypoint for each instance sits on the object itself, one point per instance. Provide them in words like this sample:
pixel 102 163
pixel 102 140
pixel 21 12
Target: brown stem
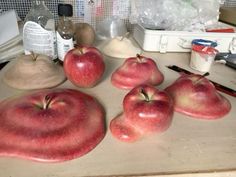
pixel 34 56
pixel 79 51
pixel 47 101
pixel 145 95
pixel 139 58
pixel 125 35
pixel 201 77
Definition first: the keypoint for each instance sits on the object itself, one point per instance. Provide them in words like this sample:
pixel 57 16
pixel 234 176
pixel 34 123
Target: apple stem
pixel 81 50
pixel 139 58
pixel 47 102
pixel 125 35
pixel 34 56
pixel 145 95
pixel 201 77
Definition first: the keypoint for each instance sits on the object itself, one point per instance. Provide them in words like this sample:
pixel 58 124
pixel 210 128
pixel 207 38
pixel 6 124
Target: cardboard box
pixel 228 15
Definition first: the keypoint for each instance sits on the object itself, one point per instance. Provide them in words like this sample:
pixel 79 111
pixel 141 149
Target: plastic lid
pixel 204 49
pixel 204 42
pixel 65 10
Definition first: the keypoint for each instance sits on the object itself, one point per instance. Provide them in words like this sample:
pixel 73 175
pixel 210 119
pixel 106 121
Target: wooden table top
pixel 189 147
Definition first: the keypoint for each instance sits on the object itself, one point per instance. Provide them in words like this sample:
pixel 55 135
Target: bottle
pixel 65 30
pixel 39 35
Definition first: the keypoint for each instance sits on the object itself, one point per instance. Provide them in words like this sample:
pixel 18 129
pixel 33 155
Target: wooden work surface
pixel 189 147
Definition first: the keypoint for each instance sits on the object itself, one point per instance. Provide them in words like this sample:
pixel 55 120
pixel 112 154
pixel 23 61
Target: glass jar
pixel 39 34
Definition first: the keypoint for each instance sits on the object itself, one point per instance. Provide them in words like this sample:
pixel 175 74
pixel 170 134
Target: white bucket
pixel 202 55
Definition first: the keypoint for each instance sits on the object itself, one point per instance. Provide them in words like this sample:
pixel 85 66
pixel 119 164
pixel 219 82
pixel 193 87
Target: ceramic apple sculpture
pixel 50 125
pixel 135 71
pixel 147 110
pixel 195 96
pixel 84 66
pixel 34 71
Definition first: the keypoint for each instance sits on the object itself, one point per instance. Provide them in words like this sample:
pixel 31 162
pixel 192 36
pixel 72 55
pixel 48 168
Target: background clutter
pixel 112 19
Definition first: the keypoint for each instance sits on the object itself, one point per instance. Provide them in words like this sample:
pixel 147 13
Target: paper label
pixel 63 46
pixel 38 40
pixel 88 11
pixel 99 7
pixel 121 8
pixel 84 10
pixel 80 8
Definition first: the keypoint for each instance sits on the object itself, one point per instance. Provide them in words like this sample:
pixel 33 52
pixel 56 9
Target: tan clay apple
pixel 35 71
pixel 120 47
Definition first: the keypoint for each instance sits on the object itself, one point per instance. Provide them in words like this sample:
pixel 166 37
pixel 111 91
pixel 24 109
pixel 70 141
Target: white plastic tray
pixel 180 41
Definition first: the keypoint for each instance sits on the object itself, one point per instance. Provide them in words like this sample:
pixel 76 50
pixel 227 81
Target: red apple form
pixel 135 71
pixel 123 130
pixel 147 110
pixel 50 125
pixel 195 96
pixel 84 66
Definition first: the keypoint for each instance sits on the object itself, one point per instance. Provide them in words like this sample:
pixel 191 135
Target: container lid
pixel 204 49
pixel 204 42
pixel 204 46
pixel 65 10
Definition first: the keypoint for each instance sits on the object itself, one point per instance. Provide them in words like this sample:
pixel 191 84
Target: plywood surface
pixel 189 146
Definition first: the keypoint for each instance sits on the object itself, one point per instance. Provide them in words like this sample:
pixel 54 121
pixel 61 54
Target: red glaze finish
pixel 84 66
pixel 135 71
pixel 197 97
pixel 50 125
pixel 123 130
pixel 146 111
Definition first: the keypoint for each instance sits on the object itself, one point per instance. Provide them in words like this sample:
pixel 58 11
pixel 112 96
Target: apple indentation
pixel 145 95
pixel 139 58
pixel 47 101
pixel 67 125
pixel 79 51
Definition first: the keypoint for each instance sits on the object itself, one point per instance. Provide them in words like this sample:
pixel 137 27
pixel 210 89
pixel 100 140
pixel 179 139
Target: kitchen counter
pixel 190 147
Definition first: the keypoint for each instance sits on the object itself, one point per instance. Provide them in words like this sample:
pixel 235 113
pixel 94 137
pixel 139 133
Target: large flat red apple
pixel 147 110
pixel 197 97
pixel 50 125
pixel 135 71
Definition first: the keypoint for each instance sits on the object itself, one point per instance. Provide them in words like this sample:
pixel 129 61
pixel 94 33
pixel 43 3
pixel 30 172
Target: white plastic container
pixel 180 41
pixel 202 55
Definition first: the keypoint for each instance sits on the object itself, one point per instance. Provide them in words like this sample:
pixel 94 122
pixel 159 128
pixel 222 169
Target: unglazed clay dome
pixel 197 97
pixel 50 125
pixel 121 47
pixel 34 72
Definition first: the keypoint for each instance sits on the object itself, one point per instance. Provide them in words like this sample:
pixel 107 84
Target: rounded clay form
pixel 197 97
pixel 34 71
pixel 50 125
